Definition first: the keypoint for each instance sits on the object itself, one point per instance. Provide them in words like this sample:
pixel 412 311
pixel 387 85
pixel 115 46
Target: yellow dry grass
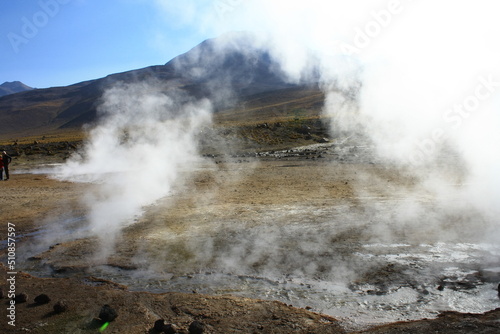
pixel 54 136
pixel 288 110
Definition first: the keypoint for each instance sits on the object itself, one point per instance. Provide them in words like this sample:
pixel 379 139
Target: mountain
pixel 13 87
pixel 226 69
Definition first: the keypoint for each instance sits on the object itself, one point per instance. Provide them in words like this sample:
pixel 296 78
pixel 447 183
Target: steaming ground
pixel 294 226
pixel 333 228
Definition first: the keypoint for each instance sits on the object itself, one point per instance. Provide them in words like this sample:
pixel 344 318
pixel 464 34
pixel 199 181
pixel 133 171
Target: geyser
pixel 143 145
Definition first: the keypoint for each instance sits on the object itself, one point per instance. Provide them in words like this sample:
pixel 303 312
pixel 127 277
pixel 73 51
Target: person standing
pixel 1 169
pixel 6 159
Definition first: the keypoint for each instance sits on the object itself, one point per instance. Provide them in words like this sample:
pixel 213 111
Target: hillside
pixel 228 65
pixel 13 87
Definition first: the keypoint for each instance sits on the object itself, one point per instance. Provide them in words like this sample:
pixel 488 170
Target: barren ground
pixel 243 189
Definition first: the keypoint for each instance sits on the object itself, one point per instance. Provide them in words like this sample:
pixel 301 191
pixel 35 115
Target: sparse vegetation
pixel 267 121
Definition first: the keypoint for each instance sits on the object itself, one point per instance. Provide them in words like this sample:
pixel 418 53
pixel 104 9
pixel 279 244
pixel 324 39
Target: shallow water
pixel 361 283
pixel 385 258
pixel 452 284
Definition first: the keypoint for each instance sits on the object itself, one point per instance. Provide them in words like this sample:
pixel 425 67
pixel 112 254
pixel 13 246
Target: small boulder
pixel 170 329
pixel 159 325
pixel 107 313
pixel 42 299
pixel 304 129
pixel 60 307
pixel 196 327
pixel 21 298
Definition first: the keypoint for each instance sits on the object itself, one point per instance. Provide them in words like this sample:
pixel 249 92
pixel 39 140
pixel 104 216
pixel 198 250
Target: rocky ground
pixel 137 312
pixel 74 306
pixel 245 187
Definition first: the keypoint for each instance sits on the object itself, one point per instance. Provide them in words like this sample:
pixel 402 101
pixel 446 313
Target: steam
pixel 143 146
pixel 419 79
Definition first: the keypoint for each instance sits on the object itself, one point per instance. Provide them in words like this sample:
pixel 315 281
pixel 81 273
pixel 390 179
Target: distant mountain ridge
pixel 223 69
pixel 13 87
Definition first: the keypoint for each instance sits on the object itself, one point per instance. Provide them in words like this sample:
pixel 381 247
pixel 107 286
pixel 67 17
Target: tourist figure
pixel 6 159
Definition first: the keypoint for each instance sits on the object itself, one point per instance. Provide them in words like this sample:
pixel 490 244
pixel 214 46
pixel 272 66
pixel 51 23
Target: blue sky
pixel 46 43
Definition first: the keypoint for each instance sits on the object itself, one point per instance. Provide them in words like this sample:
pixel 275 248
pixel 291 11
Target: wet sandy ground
pixel 309 228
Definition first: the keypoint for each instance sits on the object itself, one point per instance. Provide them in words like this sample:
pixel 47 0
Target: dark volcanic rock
pixel 60 307
pixel 196 327
pixel 159 325
pixel 107 313
pixel 21 298
pixel 42 299
pixel 170 329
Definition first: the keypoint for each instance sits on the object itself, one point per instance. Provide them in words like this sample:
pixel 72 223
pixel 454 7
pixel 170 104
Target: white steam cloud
pixel 420 79
pixel 144 143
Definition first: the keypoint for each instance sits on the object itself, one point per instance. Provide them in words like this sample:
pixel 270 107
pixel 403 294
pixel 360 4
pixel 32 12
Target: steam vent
pixel 250 166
